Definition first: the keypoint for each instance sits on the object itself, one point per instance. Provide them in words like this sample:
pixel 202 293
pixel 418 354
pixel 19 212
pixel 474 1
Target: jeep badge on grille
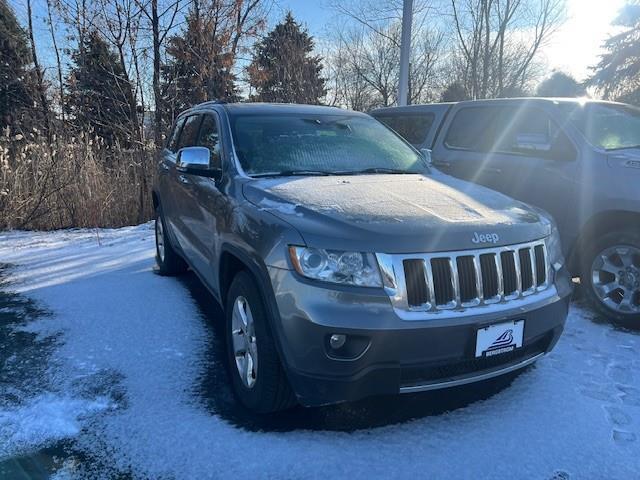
pixel 485 237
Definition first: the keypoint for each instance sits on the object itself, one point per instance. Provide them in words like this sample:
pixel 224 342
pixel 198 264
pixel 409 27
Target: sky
pixel 573 49
pixel 577 44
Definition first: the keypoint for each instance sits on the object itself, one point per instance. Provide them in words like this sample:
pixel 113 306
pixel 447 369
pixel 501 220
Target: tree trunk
pixel 157 92
pixel 44 104
pixel 58 61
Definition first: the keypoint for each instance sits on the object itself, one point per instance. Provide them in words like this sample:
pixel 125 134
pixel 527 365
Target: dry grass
pixel 72 182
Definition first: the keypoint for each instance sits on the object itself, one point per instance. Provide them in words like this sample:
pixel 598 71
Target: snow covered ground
pixel 108 369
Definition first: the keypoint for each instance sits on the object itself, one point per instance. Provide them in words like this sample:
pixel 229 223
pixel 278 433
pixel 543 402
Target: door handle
pixel 184 180
pixel 441 163
pixel 164 168
pixel 493 170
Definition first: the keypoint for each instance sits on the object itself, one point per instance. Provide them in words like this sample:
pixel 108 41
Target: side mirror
pixel 426 154
pixel 197 161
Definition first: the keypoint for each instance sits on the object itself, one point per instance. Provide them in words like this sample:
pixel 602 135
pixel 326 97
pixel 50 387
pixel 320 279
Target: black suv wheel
pixel 168 261
pixel 258 378
pixel 610 273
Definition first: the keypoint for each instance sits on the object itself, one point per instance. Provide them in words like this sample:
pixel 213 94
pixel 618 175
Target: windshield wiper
pixel 322 173
pixel 292 173
pixel 393 171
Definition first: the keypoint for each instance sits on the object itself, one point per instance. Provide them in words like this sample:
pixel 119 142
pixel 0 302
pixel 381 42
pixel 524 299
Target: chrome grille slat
pixel 516 260
pixel 429 274
pixel 476 265
pixel 455 280
pixel 452 278
pixel 500 277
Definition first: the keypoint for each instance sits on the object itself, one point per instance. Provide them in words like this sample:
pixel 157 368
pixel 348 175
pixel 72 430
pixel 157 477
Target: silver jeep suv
pixel 345 266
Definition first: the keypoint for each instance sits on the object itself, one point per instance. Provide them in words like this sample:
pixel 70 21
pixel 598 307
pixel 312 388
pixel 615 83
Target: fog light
pixel 337 340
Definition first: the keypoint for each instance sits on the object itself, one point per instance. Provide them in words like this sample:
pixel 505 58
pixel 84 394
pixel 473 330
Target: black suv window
pixel 512 130
pixel 209 137
pixel 172 144
pixel 414 128
pixel 472 129
pixel 189 134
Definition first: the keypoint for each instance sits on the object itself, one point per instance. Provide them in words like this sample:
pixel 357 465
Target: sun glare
pixel 578 43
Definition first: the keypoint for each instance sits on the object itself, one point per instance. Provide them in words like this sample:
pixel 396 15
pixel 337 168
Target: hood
pixel 396 213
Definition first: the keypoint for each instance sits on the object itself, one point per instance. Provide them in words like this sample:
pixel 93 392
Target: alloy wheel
pixel 615 278
pixel 160 238
pixel 245 349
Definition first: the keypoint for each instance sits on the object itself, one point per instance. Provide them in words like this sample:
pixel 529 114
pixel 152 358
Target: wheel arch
pixel 234 260
pixel 596 226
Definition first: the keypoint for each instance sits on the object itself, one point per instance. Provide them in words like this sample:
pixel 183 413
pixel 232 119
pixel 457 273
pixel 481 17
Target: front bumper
pixel 387 355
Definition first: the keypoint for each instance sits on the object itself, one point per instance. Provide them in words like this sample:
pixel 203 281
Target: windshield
pixel 607 126
pixel 320 144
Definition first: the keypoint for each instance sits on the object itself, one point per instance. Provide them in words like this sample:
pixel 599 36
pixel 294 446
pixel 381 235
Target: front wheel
pixel 611 276
pixel 259 381
pixel 168 261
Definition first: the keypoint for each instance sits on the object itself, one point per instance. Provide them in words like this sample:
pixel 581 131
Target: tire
pixel 610 274
pixel 266 388
pixel 168 261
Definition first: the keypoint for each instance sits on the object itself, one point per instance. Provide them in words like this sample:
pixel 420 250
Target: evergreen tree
pixel 284 68
pixel 97 91
pixel 16 74
pixel 454 92
pixel 560 84
pixel 617 75
pixel 200 60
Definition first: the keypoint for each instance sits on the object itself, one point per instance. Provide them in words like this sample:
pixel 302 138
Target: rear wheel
pixel 168 261
pixel 611 276
pixel 259 381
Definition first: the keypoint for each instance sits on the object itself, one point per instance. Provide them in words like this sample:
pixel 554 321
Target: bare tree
pixel 162 19
pixel 42 90
pixel 56 51
pixel 365 66
pixel 117 25
pixel 498 41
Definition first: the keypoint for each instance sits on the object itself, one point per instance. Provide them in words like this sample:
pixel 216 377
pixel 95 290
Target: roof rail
pixel 210 102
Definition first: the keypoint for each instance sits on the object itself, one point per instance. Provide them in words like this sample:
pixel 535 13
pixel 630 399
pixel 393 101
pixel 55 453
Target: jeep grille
pixel 465 279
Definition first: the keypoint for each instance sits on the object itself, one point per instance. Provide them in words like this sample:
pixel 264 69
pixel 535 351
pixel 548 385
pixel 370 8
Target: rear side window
pixel 209 137
pixel 172 144
pixel 473 129
pixel 189 134
pixel 511 130
pixel 414 128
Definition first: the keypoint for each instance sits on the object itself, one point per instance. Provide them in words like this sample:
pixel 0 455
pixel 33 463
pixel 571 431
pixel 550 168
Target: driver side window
pixel 189 134
pixel 210 138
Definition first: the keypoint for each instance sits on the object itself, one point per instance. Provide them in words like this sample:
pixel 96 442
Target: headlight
pixel 350 268
pixel 554 248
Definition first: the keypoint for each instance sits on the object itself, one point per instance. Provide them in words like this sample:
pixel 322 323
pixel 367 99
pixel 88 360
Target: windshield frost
pixel 277 144
pixel 607 126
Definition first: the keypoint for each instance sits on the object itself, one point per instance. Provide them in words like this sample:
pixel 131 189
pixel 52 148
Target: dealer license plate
pixel 499 338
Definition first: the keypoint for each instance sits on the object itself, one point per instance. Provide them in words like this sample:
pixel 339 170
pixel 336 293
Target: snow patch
pixel 577 411
pixel 281 207
pixel 44 420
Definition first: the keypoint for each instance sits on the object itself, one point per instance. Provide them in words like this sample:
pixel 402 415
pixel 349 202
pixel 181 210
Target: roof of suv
pixel 527 100
pixel 489 101
pixel 277 109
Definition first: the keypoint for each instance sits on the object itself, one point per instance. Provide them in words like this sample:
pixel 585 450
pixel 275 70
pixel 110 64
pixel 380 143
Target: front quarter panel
pixel 257 232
